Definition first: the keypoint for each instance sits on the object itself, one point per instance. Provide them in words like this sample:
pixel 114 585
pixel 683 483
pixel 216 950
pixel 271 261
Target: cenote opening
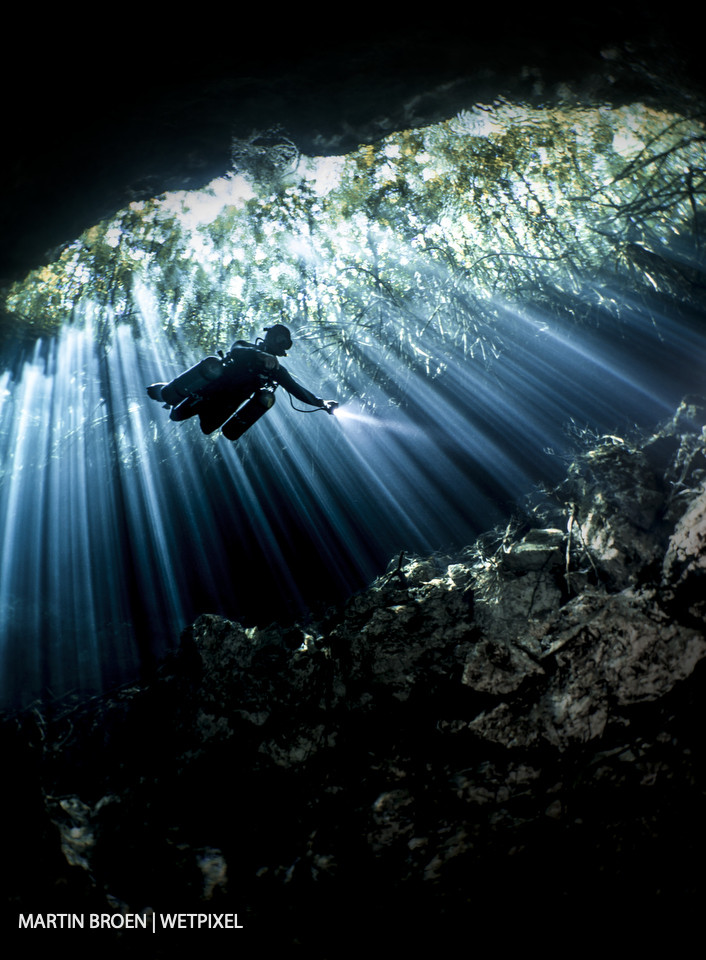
pixel 475 294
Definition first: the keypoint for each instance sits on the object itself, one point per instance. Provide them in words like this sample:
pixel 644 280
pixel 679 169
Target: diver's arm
pixel 285 379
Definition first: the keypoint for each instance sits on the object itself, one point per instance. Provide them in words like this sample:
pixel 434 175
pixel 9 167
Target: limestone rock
pixel 520 724
pixel 686 553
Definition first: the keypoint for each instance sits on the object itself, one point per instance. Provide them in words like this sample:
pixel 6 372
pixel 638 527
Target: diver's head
pixel 277 340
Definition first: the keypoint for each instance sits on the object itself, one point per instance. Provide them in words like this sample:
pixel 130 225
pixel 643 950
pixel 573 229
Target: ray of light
pixel 119 526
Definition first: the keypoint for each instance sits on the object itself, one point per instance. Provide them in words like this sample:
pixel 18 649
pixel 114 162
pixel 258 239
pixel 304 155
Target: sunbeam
pixel 461 310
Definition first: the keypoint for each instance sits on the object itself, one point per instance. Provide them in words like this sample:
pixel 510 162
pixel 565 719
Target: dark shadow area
pixel 93 123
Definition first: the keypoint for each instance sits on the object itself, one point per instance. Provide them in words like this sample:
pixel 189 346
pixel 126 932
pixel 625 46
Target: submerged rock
pixel 513 727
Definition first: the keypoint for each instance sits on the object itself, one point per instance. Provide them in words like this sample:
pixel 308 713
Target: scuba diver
pixel 235 390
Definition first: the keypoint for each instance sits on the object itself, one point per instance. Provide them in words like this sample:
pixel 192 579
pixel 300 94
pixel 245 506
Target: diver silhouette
pixel 235 390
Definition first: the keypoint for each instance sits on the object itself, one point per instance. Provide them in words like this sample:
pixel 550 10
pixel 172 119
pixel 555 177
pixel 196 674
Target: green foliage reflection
pixel 423 242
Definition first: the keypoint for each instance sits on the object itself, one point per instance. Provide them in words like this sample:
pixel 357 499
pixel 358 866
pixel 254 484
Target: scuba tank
pixel 258 405
pixel 192 380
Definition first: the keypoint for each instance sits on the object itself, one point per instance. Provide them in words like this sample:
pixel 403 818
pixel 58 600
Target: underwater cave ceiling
pixel 155 109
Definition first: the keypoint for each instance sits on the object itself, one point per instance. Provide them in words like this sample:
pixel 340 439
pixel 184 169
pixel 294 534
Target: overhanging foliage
pixel 429 242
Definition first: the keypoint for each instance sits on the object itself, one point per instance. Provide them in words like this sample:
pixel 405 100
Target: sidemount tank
pixel 192 380
pixel 258 405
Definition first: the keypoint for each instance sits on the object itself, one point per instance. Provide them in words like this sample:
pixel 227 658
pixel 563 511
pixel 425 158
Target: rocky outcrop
pixel 514 732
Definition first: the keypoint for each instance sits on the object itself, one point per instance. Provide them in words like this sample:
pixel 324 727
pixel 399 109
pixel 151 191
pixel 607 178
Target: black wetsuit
pixel 247 369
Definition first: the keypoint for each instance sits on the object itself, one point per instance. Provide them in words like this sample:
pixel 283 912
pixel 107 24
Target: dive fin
pixel 154 391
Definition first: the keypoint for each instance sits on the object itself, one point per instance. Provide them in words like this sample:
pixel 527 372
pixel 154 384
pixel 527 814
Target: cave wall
pixel 498 750
pixel 98 117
